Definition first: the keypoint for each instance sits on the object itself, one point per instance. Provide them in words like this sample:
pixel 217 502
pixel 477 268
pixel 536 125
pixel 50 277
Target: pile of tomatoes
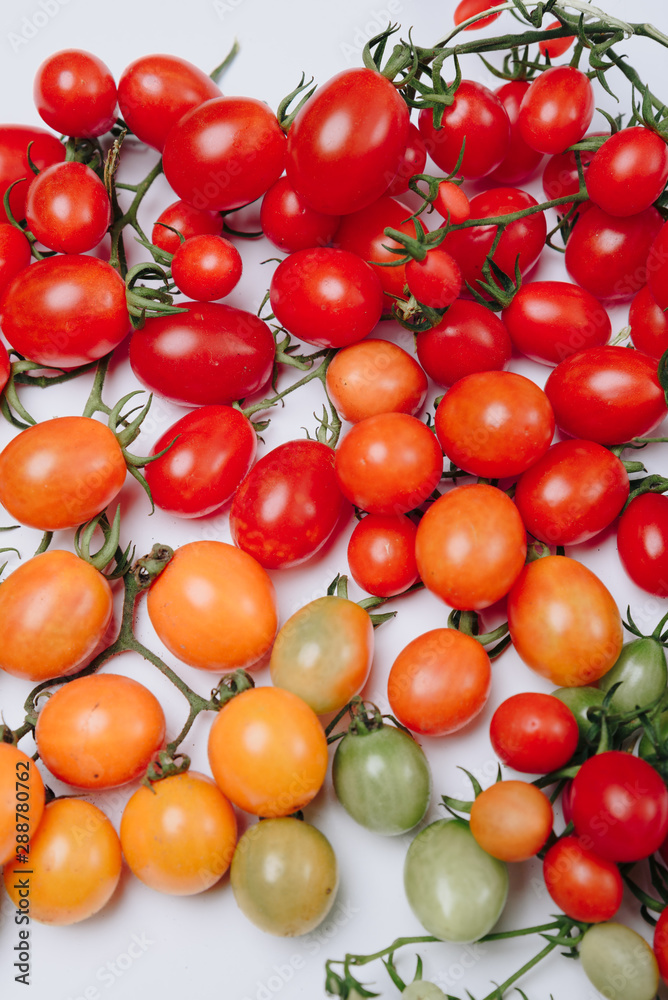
pixel 470 500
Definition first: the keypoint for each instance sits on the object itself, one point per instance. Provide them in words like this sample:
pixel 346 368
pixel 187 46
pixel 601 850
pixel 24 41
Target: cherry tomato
pixel 469 8
pixel 660 944
pixel 451 202
pixel 206 267
pixel 179 835
pixel 606 394
pixel 381 554
pixel 555 47
pixel 375 376
pixel 173 354
pixel 564 622
pixel 388 464
pixel 100 731
pixel 642 542
pixel 268 751
pixel 521 161
pixel 75 93
pixel 640 673
pixel 629 171
pixel 213 449
pixel 289 223
pixel 186 220
pixel 412 162
pixel 620 806
pixel 550 320
pixel 21 802
pixel 494 423
pixel 657 266
pixel 560 177
pixel 435 281
pixel 570 494
pixel 323 653
pixel 65 311
pixel 511 820
pixel 214 607
pixel 54 611
pixel 347 142
pixel 155 91
pixel 534 733
pixel 612 954
pixel 556 110
pixel 583 885
pixel 476 115
pixel 284 876
pixel 68 208
pixel 326 297
pixel 468 339
pixel 45 149
pixel 470 546
pixel 75 861
pixel 649 324
pixel 211 156
pixel 579 700
pixel 288 505
pixel 61 472
pixel 14 253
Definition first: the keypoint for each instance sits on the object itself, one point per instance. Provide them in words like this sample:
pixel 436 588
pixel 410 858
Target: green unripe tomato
pixel 641 669
pixel 422 989
pixel 645 748
pixel 382 779
pixel 619 963
pixel 455 889
pixel 579 699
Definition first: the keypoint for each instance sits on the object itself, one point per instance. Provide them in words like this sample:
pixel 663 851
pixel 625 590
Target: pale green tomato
pixel 455 889
pixel 579 699
pixel 619 963
pixel 641 669
pixel 421 989
pixel 645 748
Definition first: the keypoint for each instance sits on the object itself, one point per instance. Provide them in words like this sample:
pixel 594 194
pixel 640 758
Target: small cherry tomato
pixel 45 149
pixel 586 887
pixel 649 324
pixel 561 178
pixel 68 208
pixel 639 673
pixel 186 220
pixel 534 733
pixel 642 542
pixel 412 162
pixel 381 554
pixel 14 253
pixel 612 954
pixel 521 161
pixel 75 93
pixel 452 203
pixel 477 116
pixel 511 820
pixel 289 223
pixel 557 109
pixel 21 802
pixel 375 376
pixel 469 8
pixel 629 171
pixel 206 267
pixel 435 281
pixel 555 47
pixel 468 339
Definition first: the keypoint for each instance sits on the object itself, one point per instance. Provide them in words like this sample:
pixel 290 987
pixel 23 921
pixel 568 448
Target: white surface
pixel 202 946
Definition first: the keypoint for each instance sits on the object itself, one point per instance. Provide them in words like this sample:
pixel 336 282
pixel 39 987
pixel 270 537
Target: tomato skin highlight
pixel 75 93
pixel 68 208
pixel 649 324
pixel 629 171
pixel 582 884
pixel 476 115
pixel 468 339
pixel 556 110
pixel 15 767
pixel 642 542
pixel 206 267
pixel 521 161
pixel 289 223
pixel 381 554
pixel 186 220
pixel 511 820
pixel 375 376
pixel 534 733
pixel 14 254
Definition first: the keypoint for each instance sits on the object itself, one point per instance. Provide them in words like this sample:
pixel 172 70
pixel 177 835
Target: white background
pixel 203 946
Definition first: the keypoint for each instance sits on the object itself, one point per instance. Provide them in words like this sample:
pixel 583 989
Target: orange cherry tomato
pixel 178 836
pixel 375 376
pixel 511 820
pixel 268 752
pixel 214 607
pixel 54 611
pixel 21 802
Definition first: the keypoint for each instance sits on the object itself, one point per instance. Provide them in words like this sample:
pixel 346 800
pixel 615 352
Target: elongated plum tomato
pixel 68 208
pixel 326 297
pixel 75 862
pixel 14 253
pixel 477 116
pixel 211 353
pixel 211 155
pixel 468 339
pixel 471 546
pixel 212 449
pixel 557 109
pixel 54 611
pixel 612 953
pixel 412 162
pixel 649 324
pixel 521 161
pixel 629 171
pixel 178 836
pixel 155 91
pixel 288 505
pixel 381 554
pixel 469 8
pixel 345 145
pixel 657 267
pixel 435 281
pixel 268 751
pixel 214 607
pixel 555 47
pixel 289 223
pixel 21 802
pixel 61 472
pixel 511 820
pixel 65 311
pixel 375 376
pixel 14 141
pixel 75 93
pixel 564 622
pixel 642 542
pixel 186 220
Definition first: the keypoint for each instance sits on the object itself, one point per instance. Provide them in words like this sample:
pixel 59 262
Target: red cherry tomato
pixel 629 172
pixel 476 115
pixel 375 376
pixel 557 109
pixel 452 203
pixel 68 208
pixel 75 93
pixel 14 253
pixel 468 339
pixel 560 177
pixel 657 267
pixel 469 8
pixel 521 161
pixel 555 47
pixel 45 149
pixel 534 733
pixel 412 162
pixel 290 224
pixel 583 885
pixel 381 554
pixel 186 220
pixel 649 324
pixel 642 542
pixel 435 281
pixel 206 267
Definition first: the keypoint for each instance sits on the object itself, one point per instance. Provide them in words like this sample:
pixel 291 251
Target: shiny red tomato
pixel 521 161
pixel 75 93
pixel 642 542
pixel 452 203
pixel 469 8
pixel 381 554
pixel 289 223
pixel 477 116
pixel 555 47
pixel 657 267
pixel 211 353
pixel 533 733
pixel 629 171
pixel 649 324
pixel 560 177
pixel 557 109
pixel 375 376
pixel 186 220
pixel 435 281
pixel 288 505
pixel 68 208
pixel 412 162
pixel 468 339
pixel 206 267
pixel 14 253
pixel 345 145
pixel 583 885
pixel 14 141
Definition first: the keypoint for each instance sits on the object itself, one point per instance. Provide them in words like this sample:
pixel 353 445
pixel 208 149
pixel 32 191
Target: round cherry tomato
pixel 629 171
pixel 65 311
pixel 583 885
pixel 606 394
pixel 323 653
pixel 570 494
pixel 511 820
pixel 477 116
pixel 211 353
pixel 284 876
pixel 288 505
pixel 326 297
pixel 75 93
pixel 435 281
pixel 211 156
pixel 155 91
pixel 54 611
pixel 521 161
pixel 381 554
pixel 388 464
pixel 186 220
pixel 289 223
pixel 214 607
pixel 213 449
pixel 347 142
pixel 468 339
pixel 555 47
pixel 179 835
pixel 660 944
pixel 268 751
pixel 45 149
pixel 470 546
pixel 642 542
pixel 649 324
pixel 61 472
pixel 100 731
pixel 564 622
pixel 68 208
pixel 469 8
pixel 550 320
pixel 21 802
pixel 412 162
pixel 534 733
pixel 557 109
pixel 14 253
pixel 452 203
pixel 494 423
pixel 375 376
pixel 206 267
pixel 75 861
pixel 612 954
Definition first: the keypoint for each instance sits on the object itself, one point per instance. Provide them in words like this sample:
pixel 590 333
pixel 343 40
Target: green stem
pixel 122 219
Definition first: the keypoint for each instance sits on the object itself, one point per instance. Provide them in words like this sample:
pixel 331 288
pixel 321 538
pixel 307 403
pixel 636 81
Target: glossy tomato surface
pixel 46 149
pixel 534 733
pixel 75 93
pixel 521 161
pixel 375 376
pixel 68 208
pixel 642 542
pixel 557 109
pixel 511 820
pixel 629 172
pixel 206 267
pixel 477 116
pixel 649 324
pixel 290 224
pixel 582 884
pixel 14 253
pixel 468 339
pixel 187 221
pixel 412 162
pixel 21 802
pixel 381 554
